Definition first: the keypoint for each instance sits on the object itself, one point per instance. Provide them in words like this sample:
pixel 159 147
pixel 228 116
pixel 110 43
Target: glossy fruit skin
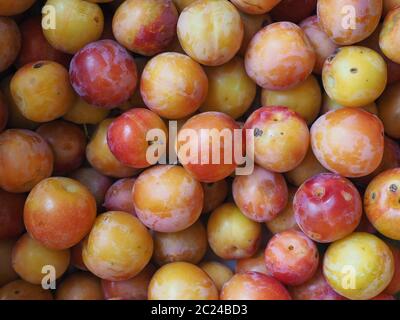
pixel 332 17
pixel 279 56
pixel 167 198
pixel 221 95
pixel 218 123
pixel 7 273
pixel 381 203
pixel 94 181
pixel 42 91
pixel 291 257
pixel 68 142
pixel 80 286
pixel 261 195
pixel 327 207
pixel 317 288
pixel 218 272
pixel 153 32
pixel 189 245
pixel 354 76
pixel 11 214
pixel 281 138
pixel 285 219
pixel 127 251
pixel 17 148
pixel 308 168
pixel 107 82
pixel 10 42
pixel 82 112
pixel 132 289
pixel 254 286
pixel 231 235
pixel 12 7
pixel 255 6
pixel 251 24
pixel 22 290
pixel 304 98
pixel 293 10
pixel 255 263
pixel 329 104
pixel 363 151
pixel 390 34
pixel 173 85
pixel 100 157
pixel 35 47
pixel 4 113
pixel 323 45
pixel 77 24
pixel 389 110
pixel 181 281
pixel 119 196
pixel 59 212
pixel 195 24
pixel 361 257
pixel 214 195
pixel 394 285
pixel 29 257
pixel 127 137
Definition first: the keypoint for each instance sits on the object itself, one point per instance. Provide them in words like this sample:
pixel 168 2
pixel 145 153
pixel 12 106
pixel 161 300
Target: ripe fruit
pixel 181 281
pixel 100 157
pixel 354 76
pixel 41 91
pixel 230 90
pixel 279 56
pixel 218 272
pixel 22 290
pixel 10 42
pixel 214 194
pixel 12 7
pixel 198 151
pixel 153 32
pixel 82 112
pixel 29 257
pixel 130 137
pixel 304 98
pixel 126 252
pixel 358 267
pixel 68 143
pixel 389 110
pixel 255 6
pixel 291 257
pixel 281 138
pixel 251 24
pixel 363 133
pixel 19 147
pixel 103 74
pixel 256 263
pixel 77 23
pixel 4 113
pixel 261 195
pixel 119 196
pixel 293 10
pixel 11 214
pixel 7 273
pixel 349 21
pixel 173 85
pixel 188 245
pixel 80 286
pixel 254 286
pixel 382 203
pixel 167 198
pixel 390 34
pixel 394 285
pixel 327 207
pixel 231 234
pixel 59 212
pixel 199 19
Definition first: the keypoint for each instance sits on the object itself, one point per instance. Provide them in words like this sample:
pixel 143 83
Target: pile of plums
pixel 312 87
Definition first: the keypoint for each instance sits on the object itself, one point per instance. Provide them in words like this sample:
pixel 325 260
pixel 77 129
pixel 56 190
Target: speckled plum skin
pixel 104 74
pixel 167 198
pixel 254 286
pixel 331 17
pixel 291 257
pixel 327 207
pixel 261 195
pixel 152 32
pixel 348 141
pixel 280 56
pixel 382 203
